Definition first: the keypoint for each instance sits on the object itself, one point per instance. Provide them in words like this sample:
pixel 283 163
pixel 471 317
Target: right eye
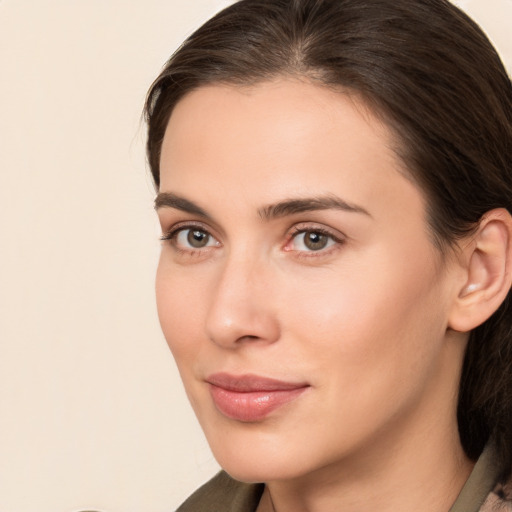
pixel 190 238
pixel 194 238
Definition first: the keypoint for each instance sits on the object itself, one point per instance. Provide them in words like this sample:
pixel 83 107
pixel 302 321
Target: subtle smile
pixel 250 398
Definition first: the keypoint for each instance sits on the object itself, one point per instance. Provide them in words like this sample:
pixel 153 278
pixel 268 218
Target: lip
pixel 251 398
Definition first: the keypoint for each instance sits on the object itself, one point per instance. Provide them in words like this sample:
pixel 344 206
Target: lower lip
pixel 251 406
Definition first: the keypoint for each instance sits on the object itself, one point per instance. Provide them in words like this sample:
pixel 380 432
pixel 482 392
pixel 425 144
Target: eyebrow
pixel 309 204
pixel 269 212
pixel 170 200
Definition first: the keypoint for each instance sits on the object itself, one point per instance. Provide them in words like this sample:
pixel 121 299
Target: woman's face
pixel 298 288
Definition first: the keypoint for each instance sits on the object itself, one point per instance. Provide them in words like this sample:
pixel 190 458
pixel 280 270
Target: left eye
pixel 312 241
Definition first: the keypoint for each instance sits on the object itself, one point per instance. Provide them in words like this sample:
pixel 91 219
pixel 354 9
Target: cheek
pixel 372 342
pixel 178 309
pixel 379 314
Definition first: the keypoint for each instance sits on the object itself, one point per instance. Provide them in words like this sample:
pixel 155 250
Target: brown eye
pixel 192 238
pixel 312 240
pixel 197 238
pixel 315 241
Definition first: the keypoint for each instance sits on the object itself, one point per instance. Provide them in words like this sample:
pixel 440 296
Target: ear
pixel 488 272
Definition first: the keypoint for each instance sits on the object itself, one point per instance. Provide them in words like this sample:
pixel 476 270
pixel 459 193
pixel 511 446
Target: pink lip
pixel 251 398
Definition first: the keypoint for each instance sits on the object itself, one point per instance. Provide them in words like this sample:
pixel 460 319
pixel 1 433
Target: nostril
pixel 248 337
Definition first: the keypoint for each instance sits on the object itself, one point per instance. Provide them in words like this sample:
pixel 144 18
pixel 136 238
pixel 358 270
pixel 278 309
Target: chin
pixel 251 471
pixel 256 457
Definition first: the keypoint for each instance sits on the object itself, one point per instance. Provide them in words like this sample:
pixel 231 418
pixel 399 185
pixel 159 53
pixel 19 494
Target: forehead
pixel 281 138
pixel 270 115
pixel 278 101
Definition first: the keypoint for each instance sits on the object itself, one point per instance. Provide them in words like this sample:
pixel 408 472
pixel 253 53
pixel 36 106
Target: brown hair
pixel 435 78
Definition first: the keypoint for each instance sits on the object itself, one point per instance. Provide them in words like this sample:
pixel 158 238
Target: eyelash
pixel 173 233
pixel 298 230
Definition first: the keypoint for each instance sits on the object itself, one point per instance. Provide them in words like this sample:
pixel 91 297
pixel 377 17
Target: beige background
pixel 92 414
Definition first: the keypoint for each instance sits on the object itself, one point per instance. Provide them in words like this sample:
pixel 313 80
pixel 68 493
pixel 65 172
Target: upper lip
pixel 249 382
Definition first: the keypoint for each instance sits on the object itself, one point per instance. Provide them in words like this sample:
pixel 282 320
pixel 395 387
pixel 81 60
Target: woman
pixel 334 189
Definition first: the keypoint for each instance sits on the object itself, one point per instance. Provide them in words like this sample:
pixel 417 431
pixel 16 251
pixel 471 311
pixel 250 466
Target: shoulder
pixel 223 494
pixel 499 500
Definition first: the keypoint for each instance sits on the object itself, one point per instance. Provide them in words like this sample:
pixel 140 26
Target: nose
pixel 241 305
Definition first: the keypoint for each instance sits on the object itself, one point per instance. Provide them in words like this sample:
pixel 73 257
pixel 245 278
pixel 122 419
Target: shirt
pixel 480 493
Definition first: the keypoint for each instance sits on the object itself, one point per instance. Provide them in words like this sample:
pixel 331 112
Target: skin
pixel 364 321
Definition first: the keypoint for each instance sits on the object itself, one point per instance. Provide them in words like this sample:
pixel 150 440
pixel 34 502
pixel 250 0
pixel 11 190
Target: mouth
pixel 251 398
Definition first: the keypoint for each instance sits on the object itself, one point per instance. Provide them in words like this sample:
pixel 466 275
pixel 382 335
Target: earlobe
pixel 488 275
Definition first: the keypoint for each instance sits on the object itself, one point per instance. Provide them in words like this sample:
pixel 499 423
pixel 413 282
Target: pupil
pixel 197 238
pixel 315 241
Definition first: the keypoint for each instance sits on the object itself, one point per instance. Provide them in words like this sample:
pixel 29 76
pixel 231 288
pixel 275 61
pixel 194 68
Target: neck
pixel 393 481
pixel 417 464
